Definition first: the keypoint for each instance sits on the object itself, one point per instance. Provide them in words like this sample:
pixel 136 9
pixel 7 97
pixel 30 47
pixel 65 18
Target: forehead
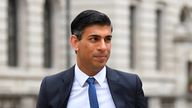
pixel 98 29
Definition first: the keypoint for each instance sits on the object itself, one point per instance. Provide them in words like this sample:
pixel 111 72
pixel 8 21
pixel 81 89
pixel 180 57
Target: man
pixel 91 39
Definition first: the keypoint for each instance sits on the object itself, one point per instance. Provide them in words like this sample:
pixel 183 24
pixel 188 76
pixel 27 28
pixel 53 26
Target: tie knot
pixel 90 80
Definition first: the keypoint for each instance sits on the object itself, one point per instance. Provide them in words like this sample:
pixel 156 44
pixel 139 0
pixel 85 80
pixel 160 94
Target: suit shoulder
pixel 129 78
pixel 125 74
pixel 59 76
pixel 55 76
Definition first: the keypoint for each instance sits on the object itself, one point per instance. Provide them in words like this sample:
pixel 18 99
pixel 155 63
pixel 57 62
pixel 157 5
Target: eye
pixel 94 39
pixel 108 39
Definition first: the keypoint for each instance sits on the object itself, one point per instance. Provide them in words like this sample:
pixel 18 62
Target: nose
pixel 102 45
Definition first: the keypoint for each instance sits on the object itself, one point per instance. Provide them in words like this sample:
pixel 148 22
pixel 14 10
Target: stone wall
pixel 165 87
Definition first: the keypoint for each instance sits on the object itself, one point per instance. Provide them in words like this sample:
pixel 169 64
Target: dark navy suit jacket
pixel 126 89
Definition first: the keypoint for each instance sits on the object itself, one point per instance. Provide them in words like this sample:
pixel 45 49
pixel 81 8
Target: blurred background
pixel 152 38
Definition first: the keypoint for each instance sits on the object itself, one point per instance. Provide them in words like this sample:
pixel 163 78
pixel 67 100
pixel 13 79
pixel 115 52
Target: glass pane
pixel 158 38
pixel 190 76
pixel 12 33
pixel 47 35
pixel 132 36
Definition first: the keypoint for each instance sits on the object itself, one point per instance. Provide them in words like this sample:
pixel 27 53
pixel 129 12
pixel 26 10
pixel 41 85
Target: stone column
pixel 35 31
pixel 154 102
pixel 28 102
pixel 181 103
pixel 3 33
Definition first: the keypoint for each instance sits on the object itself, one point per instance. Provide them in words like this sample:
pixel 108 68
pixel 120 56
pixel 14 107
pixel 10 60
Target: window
pixel 168 102
pixel 132 17
pixel 47 35
pixel 189 66
pixel 158 38
pixel 12 33
pixel 68 54
pixel 10 101
pixel 184 14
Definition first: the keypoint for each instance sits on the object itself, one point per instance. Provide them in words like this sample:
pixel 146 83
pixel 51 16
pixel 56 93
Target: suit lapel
pixel 113 82
pixel 115 88
pixel 66 87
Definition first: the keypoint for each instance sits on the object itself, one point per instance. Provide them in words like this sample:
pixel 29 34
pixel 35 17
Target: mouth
pixel 101 57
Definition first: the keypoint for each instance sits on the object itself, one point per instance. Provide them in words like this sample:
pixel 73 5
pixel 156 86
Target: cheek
pixel 109 47
pixel 85 49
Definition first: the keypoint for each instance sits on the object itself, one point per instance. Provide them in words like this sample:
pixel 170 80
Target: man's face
pixel 93 50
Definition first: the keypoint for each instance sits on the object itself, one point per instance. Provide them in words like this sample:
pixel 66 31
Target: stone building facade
pixel 152 38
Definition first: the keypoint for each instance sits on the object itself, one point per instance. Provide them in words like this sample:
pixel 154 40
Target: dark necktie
pixel 92 93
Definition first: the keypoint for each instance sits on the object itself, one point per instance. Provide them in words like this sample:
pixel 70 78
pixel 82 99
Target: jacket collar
pixel 113 79
pixel 67 78
pixel 113 82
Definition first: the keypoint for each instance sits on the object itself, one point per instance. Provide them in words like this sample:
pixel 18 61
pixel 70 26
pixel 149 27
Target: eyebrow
pixel 100 35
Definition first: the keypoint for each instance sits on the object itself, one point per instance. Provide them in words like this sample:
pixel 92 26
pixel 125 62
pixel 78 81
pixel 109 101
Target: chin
pixel 100 65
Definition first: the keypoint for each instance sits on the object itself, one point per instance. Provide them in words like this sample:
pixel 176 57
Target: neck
pixel 90 71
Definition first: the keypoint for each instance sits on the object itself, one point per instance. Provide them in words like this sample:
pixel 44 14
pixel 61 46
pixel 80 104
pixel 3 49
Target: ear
pixel 74 42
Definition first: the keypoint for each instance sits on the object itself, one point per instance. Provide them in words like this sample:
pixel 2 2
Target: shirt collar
pixel 81 77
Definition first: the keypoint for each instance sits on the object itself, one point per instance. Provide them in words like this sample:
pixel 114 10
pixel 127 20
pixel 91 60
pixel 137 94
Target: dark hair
pixel 87 18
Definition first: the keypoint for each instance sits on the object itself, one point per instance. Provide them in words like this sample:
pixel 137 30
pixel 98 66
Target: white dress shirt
pixel 79 94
